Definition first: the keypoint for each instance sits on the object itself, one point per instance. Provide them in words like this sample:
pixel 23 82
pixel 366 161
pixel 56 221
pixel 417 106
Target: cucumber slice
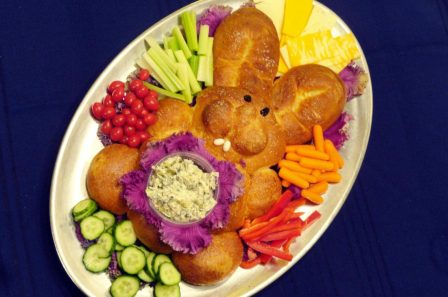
pixel 143 249
pixel 107 241
pixel 124 233
pixel 118 247
pixel 125 286
pixel 145 277
pixel 168 274
pixel 166 291
pixel 84 209
pixel 132 260
pixel 107 217
pixel 96 258
pixel 119 259
pixel 159 260
pixel 92 228
pixel 149 260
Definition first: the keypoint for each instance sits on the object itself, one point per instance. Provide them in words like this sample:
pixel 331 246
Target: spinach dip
pixel 181 190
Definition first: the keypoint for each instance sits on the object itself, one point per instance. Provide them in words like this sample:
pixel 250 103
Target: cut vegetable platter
pixel 81 144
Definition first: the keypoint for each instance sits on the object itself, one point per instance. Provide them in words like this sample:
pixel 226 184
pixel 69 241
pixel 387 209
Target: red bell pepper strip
pixel 251 229
pixel 275 210
pixel 266 258
pixel 271 224
pixel 286 227
pixel 288 243
pixel 250 264
pixel 311 219
pixel 268 250
pixel 297 203
pixel 281 235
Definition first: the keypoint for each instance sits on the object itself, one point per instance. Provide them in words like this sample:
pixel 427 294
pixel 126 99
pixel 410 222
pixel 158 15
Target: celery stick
pixel 170 54
pixel 181 41
pixel 195 87
pixel 210 47
pixel 156 70
pixel 194 64
pixel 183 76
pixel 203 40
pixel 171 75
pixel 188 19
pixel 163 92
pixel 203 68
pixel 209 80
pixel 161 53
pixel 141 62
pixel 172 43
pixel 165 43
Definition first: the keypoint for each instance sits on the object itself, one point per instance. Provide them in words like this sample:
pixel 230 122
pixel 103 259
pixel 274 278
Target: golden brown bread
pixel 246 52
pixel 256 139
pixel 173 116
pixel 147 233
pixel 104 174
pixel 214 263
pixel 305 96
pixel 265 189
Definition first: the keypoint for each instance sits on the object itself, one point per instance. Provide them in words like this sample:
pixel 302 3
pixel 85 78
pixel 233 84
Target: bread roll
pixel 256 139
pixel 105 171
pixel 246 52
pixel 306 96
pixel 214 263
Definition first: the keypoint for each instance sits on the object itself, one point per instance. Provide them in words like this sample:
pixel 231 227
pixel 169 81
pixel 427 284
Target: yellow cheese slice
pixel 320 19
pixel 297 13
pixel 275 9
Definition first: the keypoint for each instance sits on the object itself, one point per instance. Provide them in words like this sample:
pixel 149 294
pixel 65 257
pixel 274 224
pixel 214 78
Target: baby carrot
pixel 331 177
pixel 316 172
pixel 290 176
pixel 308 177
pixel 292 157
pixel 313 197
pixel 292 148
pixel 294 166
pixel 319 188
pixel 318 138
pixel 285 183
pixel 312 154
pixel 331 150
pixel 316 164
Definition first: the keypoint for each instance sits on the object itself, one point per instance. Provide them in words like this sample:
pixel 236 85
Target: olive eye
pixel 247 98
pixel 265 111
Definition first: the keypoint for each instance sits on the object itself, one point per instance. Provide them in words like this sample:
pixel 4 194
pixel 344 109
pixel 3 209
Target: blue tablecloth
pixel 391 236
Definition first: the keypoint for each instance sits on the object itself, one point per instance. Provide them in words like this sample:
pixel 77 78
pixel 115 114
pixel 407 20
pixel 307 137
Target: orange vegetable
pixel 291 148
pixel 285 183
pixel 271 224
pixel 319 188
pixel 330 149
pixel 292 177
pixel 313 154
pixel 250 264
pixel 253 228
pixel 318 138
pixel 331 177
pixel 294 166
pixel 313 197
pixel 309 178
pixel 316 164
pixel 292 157
pixel 316 172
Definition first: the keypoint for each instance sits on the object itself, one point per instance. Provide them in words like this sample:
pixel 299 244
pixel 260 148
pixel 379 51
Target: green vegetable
pixel 183 76
pixel 195 87
pixel 163 91
pixel 194 64
pixel 188 20
pixel 203 40
pixel 181 42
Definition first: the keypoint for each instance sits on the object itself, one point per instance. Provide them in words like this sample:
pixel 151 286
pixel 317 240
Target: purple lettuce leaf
pixel 191 239
pixel 296 191
pixel 213 16
pixel 355 80
pixel 113 270
pixel 338 132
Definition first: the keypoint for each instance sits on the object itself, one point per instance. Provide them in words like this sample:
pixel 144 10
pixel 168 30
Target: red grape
pixel 126 111
pixel 143 113
pixel 150 119
pixel 119 120
pixel 97 110
pixel 143 135
pixel 109 112
pixel 116 134
pixel 106 126
pixel 118 94
pixel 143 74
pixel 124 140
pixel 115 84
